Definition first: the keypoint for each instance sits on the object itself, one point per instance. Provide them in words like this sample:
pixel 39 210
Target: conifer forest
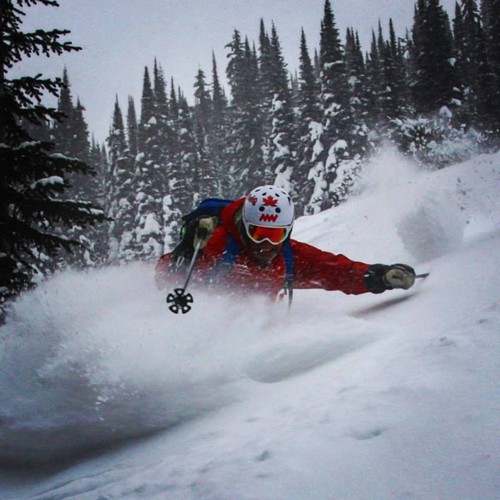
pixel 433 92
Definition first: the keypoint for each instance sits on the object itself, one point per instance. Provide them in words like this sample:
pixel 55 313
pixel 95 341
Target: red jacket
pixel 313 268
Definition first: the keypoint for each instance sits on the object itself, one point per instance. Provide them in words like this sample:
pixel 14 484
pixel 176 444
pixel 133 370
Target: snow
pixel 340 145
pixel 386 396
pixel 151 226
pixel 53 180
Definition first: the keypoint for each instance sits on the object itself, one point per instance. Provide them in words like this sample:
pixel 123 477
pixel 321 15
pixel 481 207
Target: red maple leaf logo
pixel 252 200
pixel 269 201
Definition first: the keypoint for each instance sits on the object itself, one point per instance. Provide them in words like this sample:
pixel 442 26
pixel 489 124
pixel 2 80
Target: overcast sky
pixel 121 37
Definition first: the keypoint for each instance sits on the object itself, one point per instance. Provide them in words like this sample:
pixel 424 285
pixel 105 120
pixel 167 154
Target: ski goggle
pixel 274 235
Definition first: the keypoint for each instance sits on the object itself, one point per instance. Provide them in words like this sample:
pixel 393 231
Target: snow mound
pixel 434 227
pixel 401 213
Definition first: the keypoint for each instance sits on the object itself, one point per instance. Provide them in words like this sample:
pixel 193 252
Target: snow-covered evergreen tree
pixel 205 172
pixel 71 138
pixel 203 101
pixel 374 86
pixel 358 101
pixel 308 130
pixel 151 169
pixel 490 12
pixel 281 140
pixel 186 188
pixel 100 237
pixel 393 95
pixel 332 173
pixel 245 133
pixel 472 65
pixel 434 79
pixel 62 131
pixel 216 143
pixel 120 192
pixel 132 129
pixel 35 211
pixel 266 69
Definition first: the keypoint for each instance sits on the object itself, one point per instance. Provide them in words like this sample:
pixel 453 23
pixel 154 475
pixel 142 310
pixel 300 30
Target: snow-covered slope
pixel 367 397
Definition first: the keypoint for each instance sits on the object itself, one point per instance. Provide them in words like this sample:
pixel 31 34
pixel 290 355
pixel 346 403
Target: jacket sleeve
pixel 315 268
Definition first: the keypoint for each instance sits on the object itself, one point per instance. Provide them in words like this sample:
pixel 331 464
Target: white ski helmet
pixel 268 214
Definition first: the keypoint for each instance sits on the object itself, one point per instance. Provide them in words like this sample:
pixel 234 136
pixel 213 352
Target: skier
pixel 248 247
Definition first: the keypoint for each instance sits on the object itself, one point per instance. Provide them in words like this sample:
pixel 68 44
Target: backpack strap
pixel 207 207
pixel 227 259
pixel 289 270
pixel 230 253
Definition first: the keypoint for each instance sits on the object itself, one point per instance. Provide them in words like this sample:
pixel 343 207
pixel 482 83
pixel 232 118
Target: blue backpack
pixel 212 207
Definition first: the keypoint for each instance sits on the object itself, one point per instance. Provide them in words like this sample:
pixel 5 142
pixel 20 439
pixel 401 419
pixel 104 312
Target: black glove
pixel 379 277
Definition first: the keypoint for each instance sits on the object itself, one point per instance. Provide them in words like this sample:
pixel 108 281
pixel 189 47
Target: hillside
pixel 373 396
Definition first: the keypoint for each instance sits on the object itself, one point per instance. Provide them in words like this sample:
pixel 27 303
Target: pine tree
pixel 34 181
pixel 374 86
pixel 187 188
pixel 472 66
pixel 132 129
pixel 80 141
pixel 354 61
pixel 266 70
pixel 98 159
pixel 245 136
pixel 434 78
pixel 174 203
pixel 203 104
pixel 173 103
pixel 205 172
pixel 308 129
pixel 330 176
pixel 218 97
pixel 356 72
pixel 160 92
pixel 490 12
pixel 294 89
pixel 282 147
pixel 63 129
pixel 392 77
pixel 147 112
pixel 84 187
pixel 71 138
pixel 308 85
pixel 100 237
pixel 151 168
pixel 122 205
pixel 217 147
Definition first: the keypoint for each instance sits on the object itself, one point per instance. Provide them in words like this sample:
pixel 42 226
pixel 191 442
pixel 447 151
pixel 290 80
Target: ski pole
pixel 179 299
pixel 421 276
